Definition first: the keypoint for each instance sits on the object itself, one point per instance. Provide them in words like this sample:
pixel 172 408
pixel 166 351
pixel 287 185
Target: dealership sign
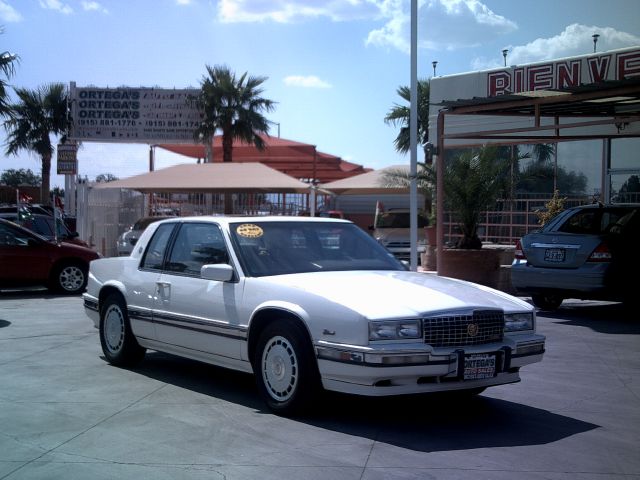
pixel 567 73
pixel 133 115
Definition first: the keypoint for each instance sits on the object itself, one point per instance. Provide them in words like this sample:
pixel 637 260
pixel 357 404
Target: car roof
pixel 605 205
pixel 228 220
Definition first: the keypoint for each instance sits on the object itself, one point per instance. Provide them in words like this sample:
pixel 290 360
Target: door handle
pixel 163 287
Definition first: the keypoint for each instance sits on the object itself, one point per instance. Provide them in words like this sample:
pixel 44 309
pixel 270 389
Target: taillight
pixel 519 252
pixel 600 254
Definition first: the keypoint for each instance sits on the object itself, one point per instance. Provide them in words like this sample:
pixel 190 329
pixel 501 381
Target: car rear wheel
pixel 547 301
pixel 285 368
pixel 119 345
pixel 69 278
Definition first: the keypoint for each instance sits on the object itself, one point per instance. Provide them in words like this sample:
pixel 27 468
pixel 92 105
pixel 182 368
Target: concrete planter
pixel 479 266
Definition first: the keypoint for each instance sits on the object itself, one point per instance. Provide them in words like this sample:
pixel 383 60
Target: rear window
pixel 593 221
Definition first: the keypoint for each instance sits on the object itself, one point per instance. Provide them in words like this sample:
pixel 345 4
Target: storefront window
pixel 625 153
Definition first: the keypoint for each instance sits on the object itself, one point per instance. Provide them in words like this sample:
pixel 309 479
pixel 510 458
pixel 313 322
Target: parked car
pixel 45 225
pixel 392 229
pixel 305 303
pixel 128 239
pixel 586 252
pixel 30 259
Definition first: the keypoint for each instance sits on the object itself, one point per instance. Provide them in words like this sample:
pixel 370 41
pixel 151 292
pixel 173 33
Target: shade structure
pixel 212 178
pixel 370 183
pixel 298 160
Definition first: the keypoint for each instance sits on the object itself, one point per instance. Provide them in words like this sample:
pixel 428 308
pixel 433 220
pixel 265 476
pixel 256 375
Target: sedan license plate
pixel 554 255
pixel 477 367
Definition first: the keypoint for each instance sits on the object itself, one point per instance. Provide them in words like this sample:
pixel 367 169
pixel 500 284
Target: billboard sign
pixel 133 115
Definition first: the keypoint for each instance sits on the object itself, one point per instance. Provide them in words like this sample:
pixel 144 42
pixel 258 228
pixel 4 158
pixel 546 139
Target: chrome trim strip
pixel 192 324
pixel 555 245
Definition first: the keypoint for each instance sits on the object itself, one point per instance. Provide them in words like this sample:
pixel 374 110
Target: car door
pixel 144 286
pixel 192 312
pixel 24 257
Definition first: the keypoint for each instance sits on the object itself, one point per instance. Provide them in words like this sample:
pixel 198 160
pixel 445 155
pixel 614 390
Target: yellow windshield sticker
pixel 249 230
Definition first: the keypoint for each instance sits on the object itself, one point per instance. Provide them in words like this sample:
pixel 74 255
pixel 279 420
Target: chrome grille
pixel 483 326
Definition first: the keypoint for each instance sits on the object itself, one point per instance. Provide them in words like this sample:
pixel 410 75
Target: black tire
pixel 547 301
pixel 119 345
pixel 69 278
pixel 285 368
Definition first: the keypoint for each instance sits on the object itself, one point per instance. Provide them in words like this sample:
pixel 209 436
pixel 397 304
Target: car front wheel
pixel 285 368
pixel 547 301
pixel 119 345
pixel 70 278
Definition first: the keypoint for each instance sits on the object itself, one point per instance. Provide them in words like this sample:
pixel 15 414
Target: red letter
pixel 499 83
pixel 540 77
pixel 599 68
pixel 628 65
pixel 568 74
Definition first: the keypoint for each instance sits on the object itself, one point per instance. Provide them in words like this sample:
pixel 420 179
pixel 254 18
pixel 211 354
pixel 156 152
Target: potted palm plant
pixel 473 180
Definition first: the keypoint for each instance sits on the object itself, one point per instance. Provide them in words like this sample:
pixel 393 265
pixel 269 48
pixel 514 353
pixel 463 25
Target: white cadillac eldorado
pixel 305 303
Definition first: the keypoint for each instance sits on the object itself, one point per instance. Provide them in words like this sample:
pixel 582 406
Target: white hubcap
pixel 279 368
pixel 113 329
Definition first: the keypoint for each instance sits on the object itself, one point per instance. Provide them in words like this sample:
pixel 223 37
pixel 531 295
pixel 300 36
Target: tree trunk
pixel 46 180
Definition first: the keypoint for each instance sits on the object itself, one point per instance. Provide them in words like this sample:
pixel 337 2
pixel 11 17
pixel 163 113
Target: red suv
pixel 27 258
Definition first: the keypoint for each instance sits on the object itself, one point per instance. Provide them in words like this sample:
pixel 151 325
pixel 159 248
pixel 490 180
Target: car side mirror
pixel 74 234
pixel 219 272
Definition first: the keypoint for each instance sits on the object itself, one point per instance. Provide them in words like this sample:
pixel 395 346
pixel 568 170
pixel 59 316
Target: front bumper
pixel 419 369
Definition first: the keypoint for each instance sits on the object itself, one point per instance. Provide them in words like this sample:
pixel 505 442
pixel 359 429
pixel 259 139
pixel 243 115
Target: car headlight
pixel 514 322
pixel 395 330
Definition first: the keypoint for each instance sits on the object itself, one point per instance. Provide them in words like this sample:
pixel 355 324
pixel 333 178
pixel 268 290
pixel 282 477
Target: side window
pixel 11 237
pixel 197 244
pixel 155 251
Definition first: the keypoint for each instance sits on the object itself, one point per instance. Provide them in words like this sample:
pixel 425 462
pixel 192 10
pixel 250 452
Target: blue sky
pixel 332 66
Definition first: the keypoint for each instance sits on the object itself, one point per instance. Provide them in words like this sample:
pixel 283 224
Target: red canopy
pixel 298 160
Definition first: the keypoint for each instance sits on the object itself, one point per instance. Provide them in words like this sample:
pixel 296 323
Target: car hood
pixel 381 294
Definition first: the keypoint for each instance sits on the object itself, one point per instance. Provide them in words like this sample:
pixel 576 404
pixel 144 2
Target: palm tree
pixel 7 68
pixel 472 182
pixel 38 115
pixel 234 106
pixel 544 152
pixel 399 115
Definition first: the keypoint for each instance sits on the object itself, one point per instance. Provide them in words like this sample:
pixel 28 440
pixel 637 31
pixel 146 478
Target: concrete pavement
pixel 66 413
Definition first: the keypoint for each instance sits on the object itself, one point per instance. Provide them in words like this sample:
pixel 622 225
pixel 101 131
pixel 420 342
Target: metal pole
pixel 439 161
pixel 413 138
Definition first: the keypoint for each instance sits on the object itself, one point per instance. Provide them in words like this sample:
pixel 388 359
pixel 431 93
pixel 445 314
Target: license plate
pixel 554 255
pixel 477 367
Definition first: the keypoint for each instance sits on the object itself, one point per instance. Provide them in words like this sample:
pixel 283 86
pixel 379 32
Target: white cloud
pixel 56 5
pixel 310 81
pixel 183 2
pixel 286 11
pixel 93 7
pixel 442 24
pixel 8 13
pixel 574 40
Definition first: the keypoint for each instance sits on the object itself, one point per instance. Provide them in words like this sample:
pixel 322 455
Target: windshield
pixel 398 220
pixel 279 248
